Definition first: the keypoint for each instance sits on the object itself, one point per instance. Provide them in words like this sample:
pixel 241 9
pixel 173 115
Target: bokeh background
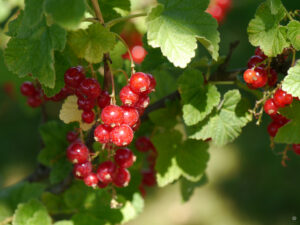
pixel 247 183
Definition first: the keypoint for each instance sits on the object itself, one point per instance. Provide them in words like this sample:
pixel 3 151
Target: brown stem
pixel 97 11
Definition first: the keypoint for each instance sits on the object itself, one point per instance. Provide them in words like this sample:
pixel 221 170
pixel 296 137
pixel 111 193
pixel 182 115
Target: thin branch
pixel 97 11
pixel 121 19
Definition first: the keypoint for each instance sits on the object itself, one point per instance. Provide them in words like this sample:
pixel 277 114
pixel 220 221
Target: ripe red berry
pixel 279 119
pixel 124 158
pixel 138 54
pixel 261 78
pixel 143 144
pixel 28 89
pixel 104 99
pixel 112 115
pixel 249 76
pixel 273 77
pixel 149 178
pixel 270 107
pixel 143 102
pixel 91 180
pixel 136 126
pixel 122 177
pixel 273 128
pixel 81 170
pixel 217 12
pixel 34 101
pixel 255 61
pixel 131 115
pixel 106 172
pixel 225 4
pixel 281 98
pixel 90 88
pixel 64 92
pixel 74 76
pixel 296 148
pixel 121 135
pixel 102 185
pixel 260 53
pixel 152 83
pixel 86 104
pixel 77 152
pixel 88 116
pixel 139 83
pixel 72 136
pixel 128 97
pixel 101 133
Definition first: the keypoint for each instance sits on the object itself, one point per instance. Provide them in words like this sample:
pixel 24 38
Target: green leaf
pixel 177 158
pixel 293 33
pixel 31 48
pixel 198 98
pixel 132 209
pixel 275 6
pixel 291 83
pixel 175 27
pixel 87 219
pixel 289 133
pixel 92 43
pixel 67 13
pixel 187 187
pixel 224 124
pixel 64 222
pixel 60 170
pixel 266 32
pixel 31 213
pixel 54 203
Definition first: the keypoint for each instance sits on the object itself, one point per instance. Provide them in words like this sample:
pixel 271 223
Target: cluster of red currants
pixel 144 144
pixel 35 96
pixel 134 41
pixel 107 172
pixel 219 8
pixel 257 75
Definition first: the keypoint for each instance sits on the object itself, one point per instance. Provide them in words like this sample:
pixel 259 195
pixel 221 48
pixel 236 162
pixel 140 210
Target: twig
pixel 97 11
pixel 121 19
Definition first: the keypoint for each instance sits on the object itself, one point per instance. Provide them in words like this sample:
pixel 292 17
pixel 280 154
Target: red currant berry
pixel 217 12
pixel 255 61
pixel 81 170
pixel 101 133
pixel 112 115
pixel 91 180
pixel 249 76
pixel 86 104
pixel 273 77
pixel 296 148
pixel 149 178
pixel 74 76
pixel 273 129
pixel 281 98
pixel 121 178
pixel 225 4
pixel 34 101
pixel 128 97
pixel 103 100
pixel 90 88
pixel 279 119
pixel 138 54
pixel 106 172
pixel 131 115
pixel 64 92
pixel 121 135
pixel 270 107
pixel 143 144
pixel 139 83
pixel 260 53
pixel 143 102
pixel 88 116
pixel 136 126
pixel 261 78
pixel 124 158
pixel 152 83
pixel 28 89
pixel 102 185
pixel 72 136
pixel 77 152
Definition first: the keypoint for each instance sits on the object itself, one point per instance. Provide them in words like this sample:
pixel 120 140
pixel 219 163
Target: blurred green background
pixel 247 184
